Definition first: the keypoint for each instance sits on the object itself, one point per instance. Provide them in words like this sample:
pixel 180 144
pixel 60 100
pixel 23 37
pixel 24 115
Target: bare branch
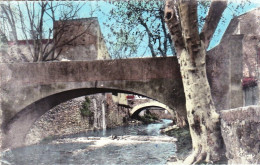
pixel 217 7
pixel 57 44
pixel 164 31
pixel 22 22
pixel 10 17
pixel 149 36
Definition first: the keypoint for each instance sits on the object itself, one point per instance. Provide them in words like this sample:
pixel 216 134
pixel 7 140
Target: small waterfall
pixel 95 114
pixel 103 118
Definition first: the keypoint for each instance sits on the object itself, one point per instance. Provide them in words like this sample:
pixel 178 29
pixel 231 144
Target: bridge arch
pixel 17 128
pixel 28 90
pixel 138 108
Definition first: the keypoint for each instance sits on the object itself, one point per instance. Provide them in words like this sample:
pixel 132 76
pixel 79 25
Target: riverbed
pixel 141 144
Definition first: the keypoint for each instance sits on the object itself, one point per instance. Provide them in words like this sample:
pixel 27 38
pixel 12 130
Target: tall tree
pixel 138 28
pixel 204 122
pixel 135 22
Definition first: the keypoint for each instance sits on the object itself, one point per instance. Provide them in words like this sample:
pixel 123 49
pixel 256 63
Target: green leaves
pixel 138 29
pixel 85 108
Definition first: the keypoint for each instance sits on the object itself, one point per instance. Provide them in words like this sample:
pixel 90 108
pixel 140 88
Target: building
pixel 245 30
pixel 77 39
pixel 82 39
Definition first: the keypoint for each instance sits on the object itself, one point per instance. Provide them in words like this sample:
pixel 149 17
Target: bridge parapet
pixel 100 70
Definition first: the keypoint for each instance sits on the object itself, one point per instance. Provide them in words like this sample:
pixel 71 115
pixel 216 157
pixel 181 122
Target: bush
pixel 148 118
pixel 85 108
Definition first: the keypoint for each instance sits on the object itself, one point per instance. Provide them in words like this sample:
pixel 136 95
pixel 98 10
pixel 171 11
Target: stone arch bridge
pixel 31 89
pixel 138 108
pixel 28 90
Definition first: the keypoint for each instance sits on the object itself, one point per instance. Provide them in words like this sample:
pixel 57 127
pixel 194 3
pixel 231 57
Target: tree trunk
pixel 203 120
pixel 181 120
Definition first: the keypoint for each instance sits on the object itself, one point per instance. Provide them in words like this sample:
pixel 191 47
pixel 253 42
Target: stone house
pixel 242 39
pixel 89 44
pixel 248 26
pixel 81 39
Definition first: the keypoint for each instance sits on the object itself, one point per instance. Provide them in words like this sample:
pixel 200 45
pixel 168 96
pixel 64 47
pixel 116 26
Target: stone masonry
pixel 62 120
pixel 90 46
pixel 241 133
pixel 66 118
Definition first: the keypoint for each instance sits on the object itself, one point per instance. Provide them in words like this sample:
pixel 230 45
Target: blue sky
pixel 105 8
pixel 227 16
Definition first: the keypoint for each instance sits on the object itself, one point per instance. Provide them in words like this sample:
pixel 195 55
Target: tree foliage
pixel 139 27
pixel 85 108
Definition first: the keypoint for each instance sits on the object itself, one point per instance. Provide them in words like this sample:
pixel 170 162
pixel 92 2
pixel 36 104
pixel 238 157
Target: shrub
pixel 148 117
pixel 85 108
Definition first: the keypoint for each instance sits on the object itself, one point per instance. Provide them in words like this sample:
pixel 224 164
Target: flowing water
pixel 97 152
pixel 103 117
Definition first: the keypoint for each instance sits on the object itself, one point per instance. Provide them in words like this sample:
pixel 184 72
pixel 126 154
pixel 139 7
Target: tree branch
pixel 57 43
pixel 161 15
pixel 149 36
pixel 189 25
pixel 216 9
pixel 174 25
pixel 23 26
pixel 10 17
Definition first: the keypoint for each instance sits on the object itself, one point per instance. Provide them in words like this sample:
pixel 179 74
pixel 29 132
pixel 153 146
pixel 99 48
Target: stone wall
pixel 241 133
pixel 88 46
pixel 1 121
pixel 233 60
pixel 224 70
pixel 14 53
pixel 61 120
pixel 66 118
pixel 117 115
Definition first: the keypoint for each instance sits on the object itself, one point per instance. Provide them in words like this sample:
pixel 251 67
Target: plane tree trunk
pixel 204 121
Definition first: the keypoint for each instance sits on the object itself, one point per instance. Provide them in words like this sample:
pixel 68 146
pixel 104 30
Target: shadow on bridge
pixel 18 127
pixel 31 89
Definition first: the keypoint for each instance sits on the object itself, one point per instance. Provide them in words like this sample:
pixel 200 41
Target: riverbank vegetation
pixel 184 143
pixel 148 118
pixel 85 108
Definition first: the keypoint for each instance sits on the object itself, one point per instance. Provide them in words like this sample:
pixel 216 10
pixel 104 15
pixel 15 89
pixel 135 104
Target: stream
pixel 101 150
